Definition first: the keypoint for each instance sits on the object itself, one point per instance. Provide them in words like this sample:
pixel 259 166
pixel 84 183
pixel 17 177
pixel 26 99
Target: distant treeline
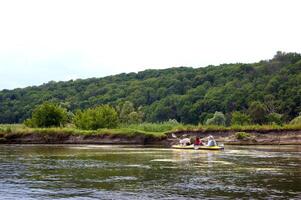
pixel 187 95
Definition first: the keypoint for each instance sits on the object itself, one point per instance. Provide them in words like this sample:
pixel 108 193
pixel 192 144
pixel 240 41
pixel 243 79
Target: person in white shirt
pixel 211 141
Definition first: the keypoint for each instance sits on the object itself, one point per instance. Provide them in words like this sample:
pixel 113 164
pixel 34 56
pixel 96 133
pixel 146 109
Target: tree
pixel 126 109
pixel 217 119
pixel 103 116
pixel 134 118
pixel 239 118
pixel 128 114
pixel 48 115
pixel 258 112
pixel 204 117
pixel 186 94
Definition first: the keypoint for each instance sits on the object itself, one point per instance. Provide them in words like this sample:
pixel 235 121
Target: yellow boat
pixel 198 147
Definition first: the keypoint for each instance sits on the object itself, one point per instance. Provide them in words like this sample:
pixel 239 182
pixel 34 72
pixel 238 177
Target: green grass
pixel 260 128
pixel 18 129
pixel 169 127
pixel 155 127
pixel 154 130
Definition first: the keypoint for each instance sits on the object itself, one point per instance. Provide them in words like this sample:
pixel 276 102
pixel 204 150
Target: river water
pixel 128 172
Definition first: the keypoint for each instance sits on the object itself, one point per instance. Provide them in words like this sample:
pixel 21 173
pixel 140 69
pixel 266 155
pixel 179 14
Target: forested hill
pixel 188 95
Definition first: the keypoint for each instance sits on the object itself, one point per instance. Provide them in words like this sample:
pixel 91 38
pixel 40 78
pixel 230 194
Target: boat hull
pixel 198 147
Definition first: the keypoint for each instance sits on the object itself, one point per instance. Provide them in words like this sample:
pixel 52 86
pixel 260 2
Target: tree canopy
pixel 188 95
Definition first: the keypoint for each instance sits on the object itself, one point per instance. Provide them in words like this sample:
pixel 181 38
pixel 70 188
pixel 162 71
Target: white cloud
pixel 59 39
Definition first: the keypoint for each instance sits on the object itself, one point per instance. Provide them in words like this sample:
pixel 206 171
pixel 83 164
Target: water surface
pixel 127 172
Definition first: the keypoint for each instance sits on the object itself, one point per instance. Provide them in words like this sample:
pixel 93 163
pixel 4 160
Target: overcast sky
pixel 43 40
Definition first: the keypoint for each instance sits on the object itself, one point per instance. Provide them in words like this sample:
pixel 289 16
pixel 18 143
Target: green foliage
pixel 258 112
pixel 152 130
pixel 103 116
pixel 19 130
pixel 47 115
pixel 217 119
pixel 128 114
pixel 296 120
pixel 204 117
pixel 242 135
pixel 274 118
pixel 188 95
pixel 239 118
pixel 156 127
pixel 29 123
pixel 134 117
pixel 126 109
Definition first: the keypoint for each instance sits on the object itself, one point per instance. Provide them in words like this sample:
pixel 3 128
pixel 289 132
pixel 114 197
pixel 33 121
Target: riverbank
pixel 24 135
pixel 256 135
pixel 229 137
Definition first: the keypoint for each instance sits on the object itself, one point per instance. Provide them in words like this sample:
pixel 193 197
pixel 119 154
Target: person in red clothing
pixel 198 141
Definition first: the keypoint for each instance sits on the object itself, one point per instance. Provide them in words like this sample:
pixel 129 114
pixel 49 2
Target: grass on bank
pixel 19 129
pixel 166 127
pixel 155 130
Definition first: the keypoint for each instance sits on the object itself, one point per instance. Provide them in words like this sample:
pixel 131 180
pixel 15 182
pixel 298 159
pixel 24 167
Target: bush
pixel 275 118
pixel 296 120
pixel 242 135
pixel 217 119
pixel 239 118
pixel 47 115
pixel 103 116
pixel 29 123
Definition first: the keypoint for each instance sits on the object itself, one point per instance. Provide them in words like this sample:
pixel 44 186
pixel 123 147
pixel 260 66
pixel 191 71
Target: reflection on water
pixel 121 172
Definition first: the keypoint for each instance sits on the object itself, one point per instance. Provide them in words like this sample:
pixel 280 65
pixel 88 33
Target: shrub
pixel 217 119
pixel 242 135
pixel 296 120
pixel 103 116
pixel 47 115
pixel 275 118
pixel 239 118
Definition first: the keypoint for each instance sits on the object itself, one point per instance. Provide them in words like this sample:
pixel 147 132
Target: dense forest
pixel 188 95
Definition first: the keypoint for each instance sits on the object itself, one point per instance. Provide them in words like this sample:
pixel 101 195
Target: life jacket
pixel 197 141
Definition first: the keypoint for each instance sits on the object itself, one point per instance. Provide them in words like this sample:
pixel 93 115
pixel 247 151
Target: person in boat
pixel 185 141
pixel 198 141
pixel 211 141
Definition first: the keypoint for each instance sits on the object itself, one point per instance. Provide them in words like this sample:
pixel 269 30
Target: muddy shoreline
pixel 256 137
pixel 226 137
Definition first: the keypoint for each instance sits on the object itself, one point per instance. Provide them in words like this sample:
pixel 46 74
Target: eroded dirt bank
pixel 59 138
pixel 226 137
pixel 256 137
